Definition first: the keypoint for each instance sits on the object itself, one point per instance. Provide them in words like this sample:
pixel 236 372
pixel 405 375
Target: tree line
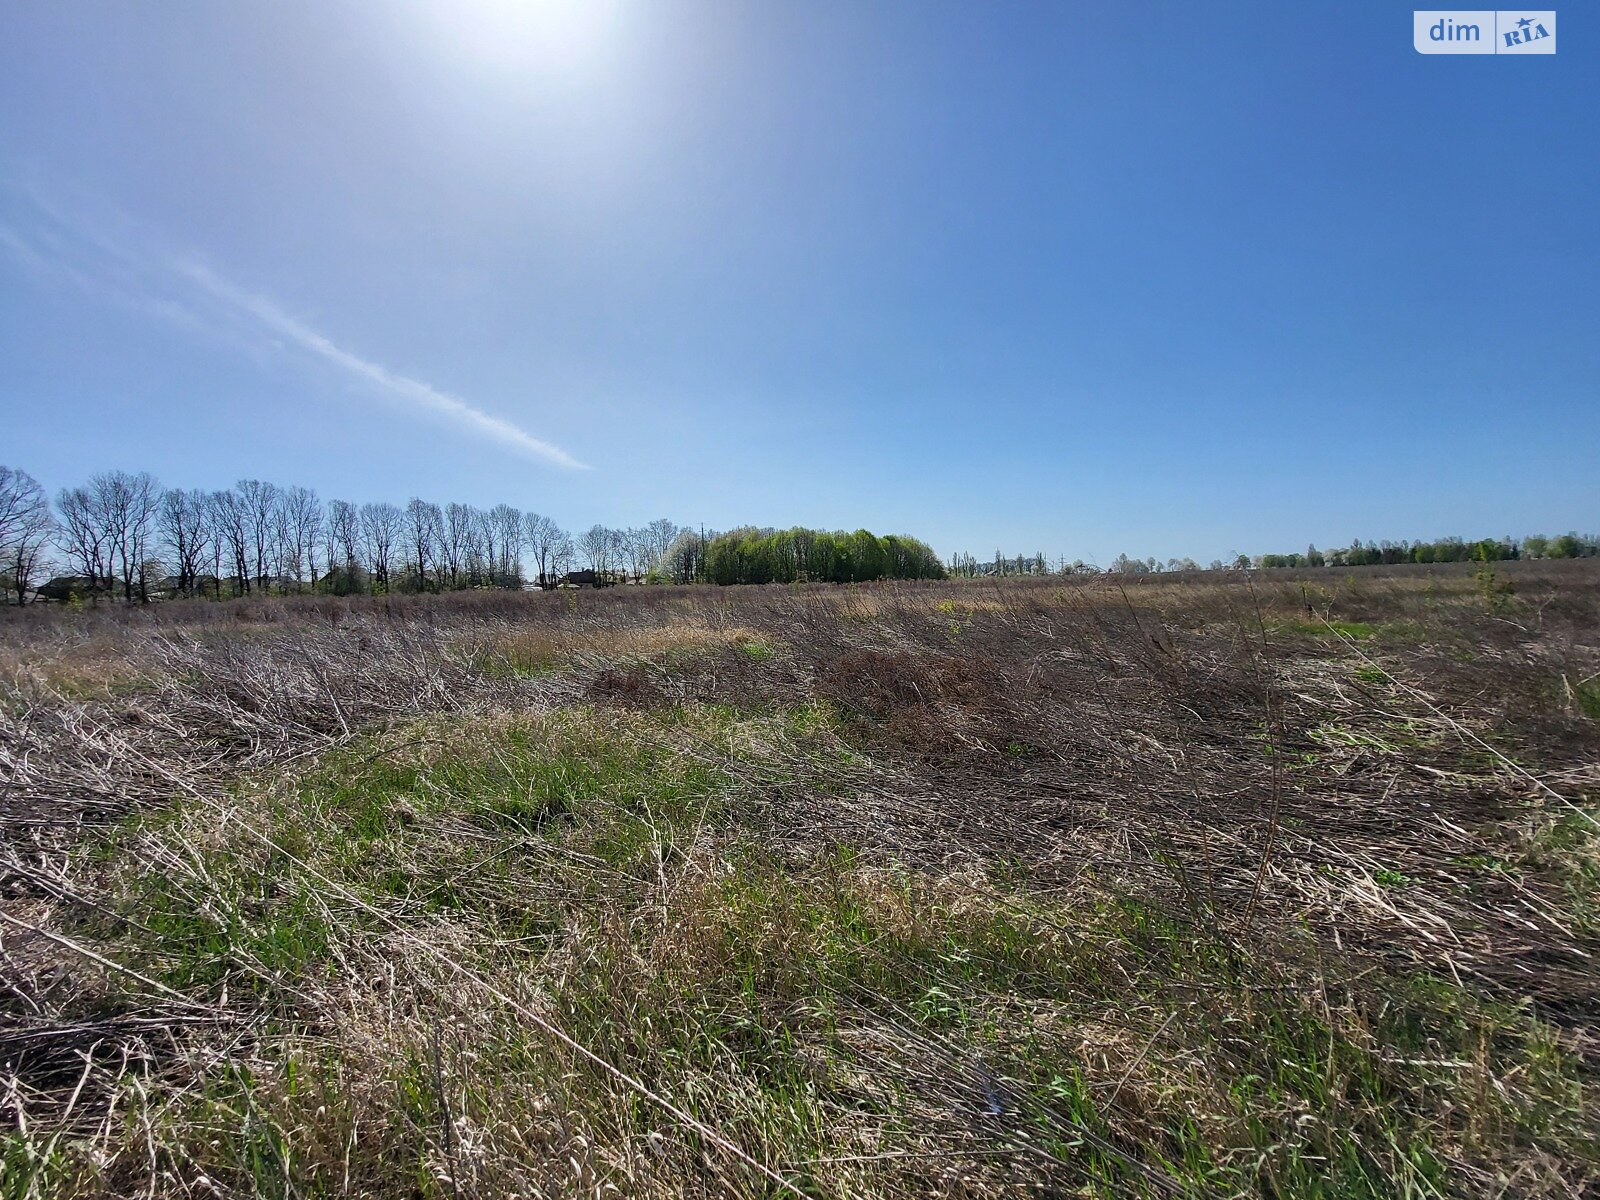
pixel 1357 554
pixel 751 555
pixel 966 566
pixel 1446 550
pixel 123 534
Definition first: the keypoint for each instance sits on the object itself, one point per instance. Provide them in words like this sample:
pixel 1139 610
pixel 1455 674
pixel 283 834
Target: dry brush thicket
pixel 1198 886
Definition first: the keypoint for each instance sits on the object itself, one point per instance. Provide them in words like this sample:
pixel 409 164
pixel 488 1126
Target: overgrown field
pixel 1198 886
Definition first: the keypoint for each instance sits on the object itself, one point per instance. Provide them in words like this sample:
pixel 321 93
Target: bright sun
pixel 545 35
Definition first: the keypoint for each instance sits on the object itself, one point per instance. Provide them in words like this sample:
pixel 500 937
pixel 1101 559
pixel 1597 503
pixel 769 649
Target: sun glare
pixel 549 36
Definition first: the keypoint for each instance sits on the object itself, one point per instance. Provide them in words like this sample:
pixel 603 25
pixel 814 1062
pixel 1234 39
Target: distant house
pixel 345 581
pixel 64 587
pixel 592 579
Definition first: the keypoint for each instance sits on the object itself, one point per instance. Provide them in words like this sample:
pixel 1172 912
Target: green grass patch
pixel 632 877
pixel 756 648
pixel 1361 631
pixel 1585 695
pixel 443 818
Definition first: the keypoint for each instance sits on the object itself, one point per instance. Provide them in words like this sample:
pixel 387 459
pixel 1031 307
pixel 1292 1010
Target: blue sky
pixel 1167 279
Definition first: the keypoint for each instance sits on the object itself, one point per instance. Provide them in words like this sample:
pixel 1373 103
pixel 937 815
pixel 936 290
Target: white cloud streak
pixel 413 391
pixel 105 267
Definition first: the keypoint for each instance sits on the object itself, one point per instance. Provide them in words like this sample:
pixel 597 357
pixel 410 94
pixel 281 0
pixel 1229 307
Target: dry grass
pixel 1189 886
pixel 535 651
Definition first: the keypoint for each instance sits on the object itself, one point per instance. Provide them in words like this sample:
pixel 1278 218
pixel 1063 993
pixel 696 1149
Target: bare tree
pixel 344 541
pixel 275 538
pixel 83 537
pixel 262 522
pixel 598 546
pixel 424 533
pixel 344 527
pixel 186 533
pixel 301 518
pixel 507 524
pixel 562 555
pixel 542 536
pixel 219 544
pixel 485 540
pixel 621 551
pixel 381 525
pixel 330 551
pixel 126 507
pixel 26 528
pixel 658 535
pixel 460 535
pixel 630 552
pixel 231 522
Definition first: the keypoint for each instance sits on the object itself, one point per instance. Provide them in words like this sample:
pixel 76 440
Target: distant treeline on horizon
pixel 1446 550
pixel 124 534
pixel 1357 554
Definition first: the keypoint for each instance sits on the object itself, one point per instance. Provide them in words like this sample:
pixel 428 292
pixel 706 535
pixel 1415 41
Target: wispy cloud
pixel 182 289
pixel 413 391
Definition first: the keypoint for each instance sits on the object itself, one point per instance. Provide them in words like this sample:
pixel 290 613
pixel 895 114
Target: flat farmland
pixel 1216 884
